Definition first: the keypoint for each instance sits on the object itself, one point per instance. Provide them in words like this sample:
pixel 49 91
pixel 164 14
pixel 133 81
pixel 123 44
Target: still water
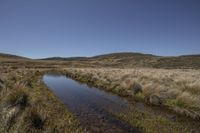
pixel 94 108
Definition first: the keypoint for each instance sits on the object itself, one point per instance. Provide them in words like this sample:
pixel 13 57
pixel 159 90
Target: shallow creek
pixel 94 108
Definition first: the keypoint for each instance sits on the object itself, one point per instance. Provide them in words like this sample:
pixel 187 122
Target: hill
pixel 114 60
pixel 128 60
pixel 64 59
pixel 10 56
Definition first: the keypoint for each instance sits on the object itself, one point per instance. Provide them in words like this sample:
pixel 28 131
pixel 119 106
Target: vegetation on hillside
pixel 130 60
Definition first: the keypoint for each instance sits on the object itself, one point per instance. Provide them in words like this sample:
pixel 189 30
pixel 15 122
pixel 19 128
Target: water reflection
pixel 93 107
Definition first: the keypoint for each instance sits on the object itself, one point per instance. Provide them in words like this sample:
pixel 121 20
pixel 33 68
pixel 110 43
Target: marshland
pixel 99 66
pixel 62 98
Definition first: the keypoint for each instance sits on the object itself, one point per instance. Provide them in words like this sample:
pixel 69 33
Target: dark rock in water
pixel 155 100
pixel 136 88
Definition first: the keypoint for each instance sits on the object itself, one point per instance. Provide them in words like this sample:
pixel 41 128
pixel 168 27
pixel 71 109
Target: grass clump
pixel 33 120
pixel 16 97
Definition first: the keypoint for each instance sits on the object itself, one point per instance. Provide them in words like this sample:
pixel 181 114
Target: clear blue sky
pixel 42 28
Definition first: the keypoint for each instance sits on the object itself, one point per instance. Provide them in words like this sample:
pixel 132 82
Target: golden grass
pixel 153 124
pixel 176 88
pixel 41 112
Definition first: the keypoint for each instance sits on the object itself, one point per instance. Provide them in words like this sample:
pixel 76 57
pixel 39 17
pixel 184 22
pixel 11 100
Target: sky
pixel 46 28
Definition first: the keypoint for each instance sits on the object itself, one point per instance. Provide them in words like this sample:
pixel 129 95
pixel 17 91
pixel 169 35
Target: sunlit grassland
pixel 176 89
pixel 28 106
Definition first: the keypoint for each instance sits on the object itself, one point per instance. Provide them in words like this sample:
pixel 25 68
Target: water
pixel 93 107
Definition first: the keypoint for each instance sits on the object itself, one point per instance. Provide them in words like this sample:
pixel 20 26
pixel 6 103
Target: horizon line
pixel 56 56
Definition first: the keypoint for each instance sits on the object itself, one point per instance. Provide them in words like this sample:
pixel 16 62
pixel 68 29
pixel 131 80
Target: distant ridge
pixel 10 56
pixel 195 55
pixel 110 55
pixel 120 60
pixel 130 59
pixel 115 55
pixel 123 54
pixel 65 59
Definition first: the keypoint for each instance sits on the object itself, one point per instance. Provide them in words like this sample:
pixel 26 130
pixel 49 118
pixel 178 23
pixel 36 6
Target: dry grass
pixel 27 106
pixel 153 124
pixel 178 89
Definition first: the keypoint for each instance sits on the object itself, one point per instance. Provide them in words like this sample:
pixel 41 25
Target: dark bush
pixel 16 97
pixel 34 119
pixel 136 88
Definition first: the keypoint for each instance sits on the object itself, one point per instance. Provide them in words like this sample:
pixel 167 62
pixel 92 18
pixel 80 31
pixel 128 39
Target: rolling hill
pixel 10 56
pixel 117 60
pixel 128 59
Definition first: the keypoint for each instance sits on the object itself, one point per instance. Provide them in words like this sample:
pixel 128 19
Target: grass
pixel 178 89
pixel 152 124
pixel 175 88
pixel 41 112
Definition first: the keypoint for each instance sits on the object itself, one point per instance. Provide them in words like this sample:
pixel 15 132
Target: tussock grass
pixel 17 96
pixel 28 106
pixel 176 88
pixel 43 112
pixel 152 124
